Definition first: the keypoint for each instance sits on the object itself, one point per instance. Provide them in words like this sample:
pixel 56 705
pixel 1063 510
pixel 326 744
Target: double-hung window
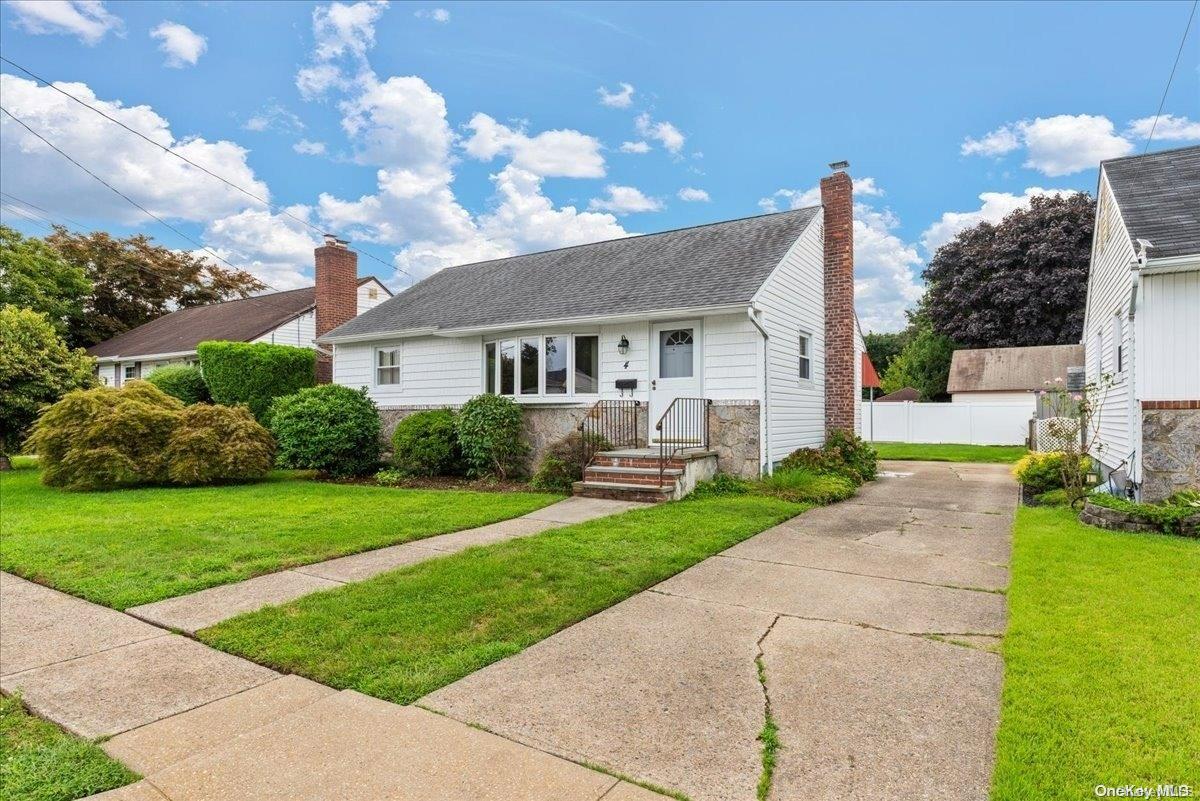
pixel 805 362
pixel 551 365
pixel 387 366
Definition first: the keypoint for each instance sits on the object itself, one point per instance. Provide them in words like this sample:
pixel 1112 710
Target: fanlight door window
pixel 675 353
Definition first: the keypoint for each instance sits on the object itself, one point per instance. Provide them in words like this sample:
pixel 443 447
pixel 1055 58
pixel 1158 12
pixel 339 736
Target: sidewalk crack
pixel 769 735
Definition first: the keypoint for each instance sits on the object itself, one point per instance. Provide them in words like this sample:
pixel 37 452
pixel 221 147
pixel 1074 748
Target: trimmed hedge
pixel 489 433
pixel 330 428
pixel 106 438
pixel 255 373
pixel 426 444
pixel 182 381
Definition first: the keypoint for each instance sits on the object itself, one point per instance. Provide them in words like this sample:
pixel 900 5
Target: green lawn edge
pixel 1102 656
pixel 408 632
pixel 929 452
pixel 41 762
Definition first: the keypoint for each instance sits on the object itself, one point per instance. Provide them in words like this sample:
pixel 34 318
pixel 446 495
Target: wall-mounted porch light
pixel 623 345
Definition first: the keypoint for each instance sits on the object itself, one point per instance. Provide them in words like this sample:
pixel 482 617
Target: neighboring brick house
pixel 295 317
pixel 754 318
pixel 1142 325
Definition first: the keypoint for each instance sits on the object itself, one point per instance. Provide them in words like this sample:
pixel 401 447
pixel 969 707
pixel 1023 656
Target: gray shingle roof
pixel 998 369
pixel 1159 198
pixel 709 265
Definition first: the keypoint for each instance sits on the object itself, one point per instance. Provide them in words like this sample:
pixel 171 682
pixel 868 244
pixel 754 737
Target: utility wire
pixel 200 167
pixel 147 212
pixel 1187 29
pixel 46 213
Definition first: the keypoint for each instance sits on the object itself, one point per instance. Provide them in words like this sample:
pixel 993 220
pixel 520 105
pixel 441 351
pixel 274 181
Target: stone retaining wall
pixel 1170 452
pixel 1113 519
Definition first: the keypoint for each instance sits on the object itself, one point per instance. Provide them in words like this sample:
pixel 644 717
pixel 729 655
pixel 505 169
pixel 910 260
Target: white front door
pixel 676 371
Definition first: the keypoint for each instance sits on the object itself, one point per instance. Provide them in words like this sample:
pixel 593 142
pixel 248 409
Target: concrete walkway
pixel 190 613
pixel 201 725
pixel 876 623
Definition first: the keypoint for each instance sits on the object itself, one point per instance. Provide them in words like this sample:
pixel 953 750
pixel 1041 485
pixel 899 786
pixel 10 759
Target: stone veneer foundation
pixel 733 430
pixel 1170 448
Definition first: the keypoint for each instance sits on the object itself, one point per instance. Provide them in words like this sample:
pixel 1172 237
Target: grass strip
pixel 41 762
pixel 1101 658
pixel 408 632
pixel 924 452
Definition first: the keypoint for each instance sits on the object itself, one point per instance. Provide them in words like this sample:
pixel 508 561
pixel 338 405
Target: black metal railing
pixel 683 425
pixel 609 424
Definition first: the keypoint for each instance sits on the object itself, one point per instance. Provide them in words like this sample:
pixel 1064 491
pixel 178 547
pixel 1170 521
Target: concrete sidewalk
pixel 198 610
pixel 876 622
pixel 202 725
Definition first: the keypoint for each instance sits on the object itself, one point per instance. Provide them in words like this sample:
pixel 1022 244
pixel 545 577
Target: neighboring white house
pixel 282 318
pixel 1142 326
pixel 1009 375
pixel 755 316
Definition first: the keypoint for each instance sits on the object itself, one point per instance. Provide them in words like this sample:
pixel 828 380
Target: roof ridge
pixel 631 236
pixel 1166 152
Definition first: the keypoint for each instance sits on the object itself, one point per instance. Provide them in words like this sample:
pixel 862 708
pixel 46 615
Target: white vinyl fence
pixel 957 423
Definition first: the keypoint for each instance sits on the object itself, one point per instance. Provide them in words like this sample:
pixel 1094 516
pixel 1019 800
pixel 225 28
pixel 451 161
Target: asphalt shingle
pixel 1159 198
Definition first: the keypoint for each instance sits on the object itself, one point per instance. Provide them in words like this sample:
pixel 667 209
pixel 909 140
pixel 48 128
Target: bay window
pixel 529 366
pixel 543 366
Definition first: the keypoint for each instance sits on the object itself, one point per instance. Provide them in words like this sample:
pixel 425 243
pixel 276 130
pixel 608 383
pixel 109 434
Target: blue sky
pixel 436 134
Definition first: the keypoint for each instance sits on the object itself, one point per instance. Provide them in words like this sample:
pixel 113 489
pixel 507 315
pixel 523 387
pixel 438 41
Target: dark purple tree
pixel 1020 282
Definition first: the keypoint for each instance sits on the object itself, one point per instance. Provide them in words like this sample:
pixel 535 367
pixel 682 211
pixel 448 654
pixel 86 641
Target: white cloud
pixel 400 122
pixel 523 219
pixel 274 247
pixel 161 182
pixel 994 207
pixel 635 147
pixel 436 14
pixel 692 195
pixel 308 148
pixel 803 198
pixel 625 200
pixel 88 20
pixel 1059 145
pixel 345 29
pixel 273 116
pixel 315 81
pixel 667 134
pixel 182 45
pixel 622 98
pixel 561 153
pixel 1169 128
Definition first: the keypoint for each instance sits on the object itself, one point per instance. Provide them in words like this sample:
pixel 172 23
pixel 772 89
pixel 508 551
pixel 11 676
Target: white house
pixel 1009 375
pixel 753 318
pixel 1142 326
pixel 283 318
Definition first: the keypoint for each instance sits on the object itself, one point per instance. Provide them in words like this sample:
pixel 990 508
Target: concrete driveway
pixel 876 623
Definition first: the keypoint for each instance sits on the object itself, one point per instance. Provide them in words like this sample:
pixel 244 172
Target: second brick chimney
pixel 336 294
pixel 837 196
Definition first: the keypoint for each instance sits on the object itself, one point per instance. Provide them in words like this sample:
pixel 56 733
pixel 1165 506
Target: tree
pixel 33 275
pixel 134 281
pixel 1020 282
pixel 923 364
pixel 882 348
pixel 36 369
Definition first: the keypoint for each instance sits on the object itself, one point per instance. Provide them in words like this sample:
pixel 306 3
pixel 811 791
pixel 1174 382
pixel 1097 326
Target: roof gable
pixel 709 265
pixel 235 320
pixel 1159 199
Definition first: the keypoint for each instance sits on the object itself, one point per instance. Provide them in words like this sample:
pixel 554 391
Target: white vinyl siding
pixel 365 290
pixel 732 358
pixel 793 301
pixel 433 370
pixel 1168 336
pixel 299 332
pixel 1109 289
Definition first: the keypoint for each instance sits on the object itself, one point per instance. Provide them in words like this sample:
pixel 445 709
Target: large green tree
pixel 923 364
pixel 36 369
pixel 35 276
pixel 882 348
pixel 135 280
pixel 1020 282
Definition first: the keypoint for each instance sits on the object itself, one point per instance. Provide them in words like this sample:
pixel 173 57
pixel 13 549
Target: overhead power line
pixel 1161 103
pixel 201 167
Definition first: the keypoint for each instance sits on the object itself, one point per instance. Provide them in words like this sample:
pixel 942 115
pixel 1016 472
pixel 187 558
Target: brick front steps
pixel 635 475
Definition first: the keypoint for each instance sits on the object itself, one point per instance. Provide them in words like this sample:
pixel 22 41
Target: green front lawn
pixel 41 762
pixel 135 546
pixel 408 632
pixel 1101 658
pixel 924 452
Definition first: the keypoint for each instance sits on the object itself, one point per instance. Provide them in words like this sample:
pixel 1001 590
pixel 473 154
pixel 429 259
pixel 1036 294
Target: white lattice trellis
pixel 1056 434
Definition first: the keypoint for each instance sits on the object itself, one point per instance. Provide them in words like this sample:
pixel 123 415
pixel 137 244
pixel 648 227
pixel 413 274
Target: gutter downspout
pixel 754 314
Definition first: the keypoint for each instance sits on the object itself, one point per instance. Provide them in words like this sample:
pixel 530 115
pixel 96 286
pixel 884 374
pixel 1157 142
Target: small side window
pixel 805 366
pixel 1118 332
pixel 387 366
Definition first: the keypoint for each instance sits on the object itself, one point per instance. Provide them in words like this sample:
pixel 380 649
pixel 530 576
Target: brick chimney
pixel 336 295
pixel 837 196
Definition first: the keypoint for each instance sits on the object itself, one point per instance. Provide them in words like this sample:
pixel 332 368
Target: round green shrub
pixel 330 428
pixel 843 454
pixel 182 381
pixel 1042 471
pixel 426 444
pixel 489 433
pixel 562 463
pixel 214 444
